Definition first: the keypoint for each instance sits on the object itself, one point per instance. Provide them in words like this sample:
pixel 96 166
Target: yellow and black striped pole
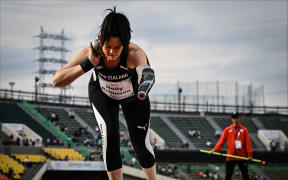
pixel 233 156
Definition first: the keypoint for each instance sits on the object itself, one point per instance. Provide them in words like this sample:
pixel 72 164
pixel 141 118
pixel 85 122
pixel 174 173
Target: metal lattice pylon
pixel 43 72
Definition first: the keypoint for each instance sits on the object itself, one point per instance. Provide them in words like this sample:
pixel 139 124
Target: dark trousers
pixel 137 115
pixel 243 166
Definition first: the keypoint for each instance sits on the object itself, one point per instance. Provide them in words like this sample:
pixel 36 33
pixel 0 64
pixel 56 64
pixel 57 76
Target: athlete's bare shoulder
pixel 136 56
pixel 133 48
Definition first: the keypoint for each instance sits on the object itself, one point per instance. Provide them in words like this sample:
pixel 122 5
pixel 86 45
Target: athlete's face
pixel 112 49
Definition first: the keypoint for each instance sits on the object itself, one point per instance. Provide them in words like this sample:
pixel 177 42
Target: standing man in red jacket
pixel 239 144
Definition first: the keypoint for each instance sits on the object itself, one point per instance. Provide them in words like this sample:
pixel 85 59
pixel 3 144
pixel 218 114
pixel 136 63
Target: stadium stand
pixel 74 129
pixel 223 122
pixel 64 154
pixel 12 113
pixel 7 163
pixel 157 124
pixel 34 112
pixel 3 137
pixel 33 158
pixel 86 115
pixel 127 158
pixel 275 123
pixel 186 123
pixel 275 172
pixel 122 127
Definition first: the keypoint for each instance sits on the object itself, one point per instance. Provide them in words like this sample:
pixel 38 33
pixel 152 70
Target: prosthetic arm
pixel 146 79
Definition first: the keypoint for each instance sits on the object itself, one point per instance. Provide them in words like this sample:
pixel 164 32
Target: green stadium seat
pixel 165 132
pixel 186 123
pixel 12 113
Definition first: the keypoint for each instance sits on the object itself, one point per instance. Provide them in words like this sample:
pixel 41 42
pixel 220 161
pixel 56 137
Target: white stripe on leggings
pixel 147 142
pixel 103 130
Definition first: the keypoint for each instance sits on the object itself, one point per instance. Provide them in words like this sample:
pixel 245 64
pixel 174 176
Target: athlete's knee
pixel 146 160
pixel 145 154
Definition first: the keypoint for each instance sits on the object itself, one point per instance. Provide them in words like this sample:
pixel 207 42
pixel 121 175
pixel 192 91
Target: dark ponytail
pixel 116 25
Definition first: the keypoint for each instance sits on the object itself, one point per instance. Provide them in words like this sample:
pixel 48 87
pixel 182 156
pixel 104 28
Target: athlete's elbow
pixel 57 82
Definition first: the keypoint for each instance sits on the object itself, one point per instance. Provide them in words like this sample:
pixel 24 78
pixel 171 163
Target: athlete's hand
pixel 92 57
pixel 210 152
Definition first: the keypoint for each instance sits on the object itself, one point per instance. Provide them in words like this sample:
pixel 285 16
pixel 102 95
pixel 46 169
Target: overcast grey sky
pixel 228 41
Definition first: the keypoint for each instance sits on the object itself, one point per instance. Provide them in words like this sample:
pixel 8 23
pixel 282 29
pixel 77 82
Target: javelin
pixel 233 156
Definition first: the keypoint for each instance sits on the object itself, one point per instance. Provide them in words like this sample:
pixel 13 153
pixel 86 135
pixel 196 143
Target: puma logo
pixel 99 67
pixel 144 127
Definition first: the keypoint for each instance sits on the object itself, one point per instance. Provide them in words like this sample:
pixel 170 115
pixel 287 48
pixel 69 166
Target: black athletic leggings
pixel 137 115
pixel 243 166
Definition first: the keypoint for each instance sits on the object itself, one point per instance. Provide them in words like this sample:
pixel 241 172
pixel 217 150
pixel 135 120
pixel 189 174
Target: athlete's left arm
pixel 146 75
